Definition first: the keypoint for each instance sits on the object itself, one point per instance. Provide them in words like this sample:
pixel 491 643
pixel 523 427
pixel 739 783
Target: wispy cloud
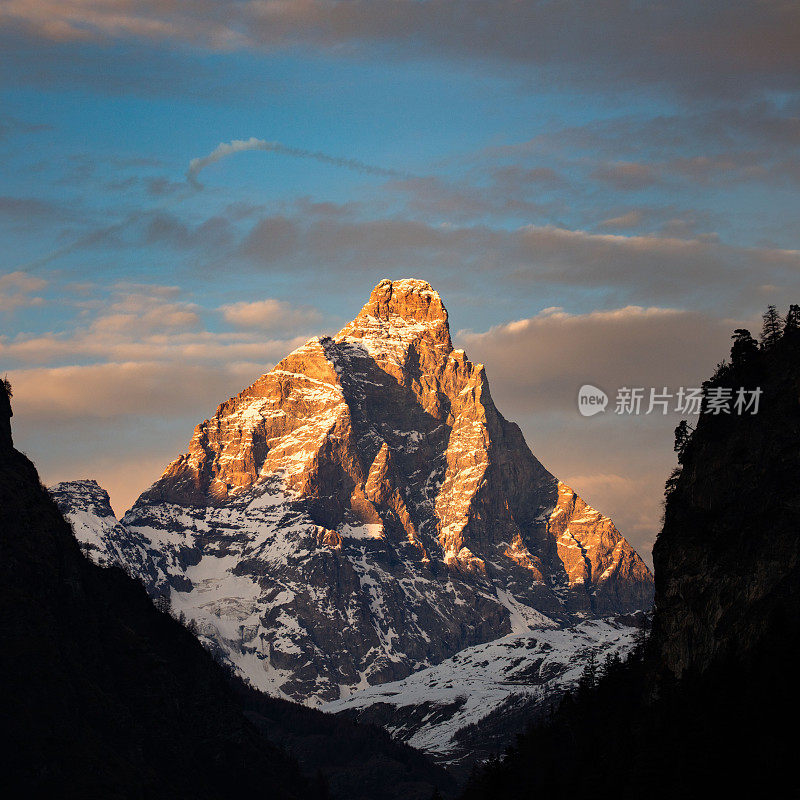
pixel 11 126
pixel 149 323
pixel 269 314
pixel 541 361
pixel 17 291
pixel 227 149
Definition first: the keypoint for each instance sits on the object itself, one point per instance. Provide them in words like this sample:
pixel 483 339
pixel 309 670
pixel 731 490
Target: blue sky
pixel 622 175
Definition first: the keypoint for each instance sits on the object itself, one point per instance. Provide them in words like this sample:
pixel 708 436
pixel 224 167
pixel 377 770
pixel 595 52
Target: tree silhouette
pixel 683 433
pixel 588 679
pixel 773 328
pixel 163 604
pixel 744 350
pixel 791 325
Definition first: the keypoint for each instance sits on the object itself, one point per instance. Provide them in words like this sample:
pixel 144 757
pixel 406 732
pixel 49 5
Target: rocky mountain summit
pixel 363 511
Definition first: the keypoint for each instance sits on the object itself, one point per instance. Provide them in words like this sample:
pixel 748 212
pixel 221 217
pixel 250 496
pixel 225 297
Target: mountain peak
pixel 411 299
pixel 363 510
pixel 398 314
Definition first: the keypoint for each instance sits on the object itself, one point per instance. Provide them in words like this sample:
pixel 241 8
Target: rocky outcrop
pixel 363 511
pixel 101 537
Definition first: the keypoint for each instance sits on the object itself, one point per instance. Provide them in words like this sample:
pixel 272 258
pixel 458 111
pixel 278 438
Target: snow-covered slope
pixel 363 511
pixel 104 539
pixel 452 710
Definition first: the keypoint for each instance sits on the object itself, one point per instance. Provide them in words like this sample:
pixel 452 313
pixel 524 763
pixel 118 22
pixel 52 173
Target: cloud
pixel 82 20
pixel 162 187
pixel 269 314
pixel 16 289
pixel 141 312
pixel 141 323
pixel 630 219
pixel 745 132
pixel 627 176
pixel 672 262
pixel 203 347
pixel 644 268
pixel 22 209
pixel 226 149
pixel 714 47
pixel 166 228
pixel 11 126
pixel 515 192
pixel 117 389
pixel 271 239
pixel 540 362
pixel 653 266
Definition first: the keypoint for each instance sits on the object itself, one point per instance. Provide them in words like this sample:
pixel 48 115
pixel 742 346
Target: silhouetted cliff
pixel 727 563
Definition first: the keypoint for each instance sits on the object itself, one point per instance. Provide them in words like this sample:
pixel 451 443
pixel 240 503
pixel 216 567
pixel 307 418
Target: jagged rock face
pixel 363 511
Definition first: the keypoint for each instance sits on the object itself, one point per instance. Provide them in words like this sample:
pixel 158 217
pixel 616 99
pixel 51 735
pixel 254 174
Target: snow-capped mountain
pixel 362 512
pixel 474 703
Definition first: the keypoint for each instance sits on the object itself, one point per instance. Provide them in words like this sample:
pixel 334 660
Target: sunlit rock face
pixel 363 511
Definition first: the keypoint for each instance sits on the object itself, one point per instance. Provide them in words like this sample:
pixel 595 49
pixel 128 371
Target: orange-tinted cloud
pixel 17 288
pixel 147 388
pixel 269 314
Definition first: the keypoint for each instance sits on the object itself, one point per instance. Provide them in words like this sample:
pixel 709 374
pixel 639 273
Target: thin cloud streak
pixel 196 166
pixel 227 149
